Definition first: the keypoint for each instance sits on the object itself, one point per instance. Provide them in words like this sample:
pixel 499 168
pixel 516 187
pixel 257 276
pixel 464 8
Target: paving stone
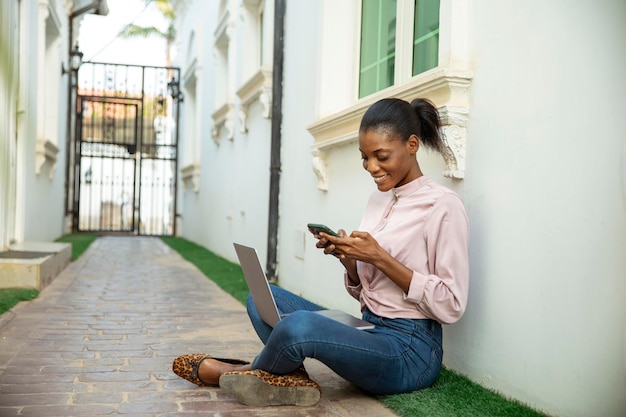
pixel 101 338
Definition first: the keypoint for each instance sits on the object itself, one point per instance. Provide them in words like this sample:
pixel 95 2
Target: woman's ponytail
pixel 419 118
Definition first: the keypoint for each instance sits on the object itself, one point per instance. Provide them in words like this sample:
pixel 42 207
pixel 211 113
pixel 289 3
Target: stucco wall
pixel 232 202
pixel 544 189
pixel 33 207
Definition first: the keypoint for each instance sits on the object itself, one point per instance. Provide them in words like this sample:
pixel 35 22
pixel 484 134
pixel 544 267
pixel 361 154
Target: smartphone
pixel 322 228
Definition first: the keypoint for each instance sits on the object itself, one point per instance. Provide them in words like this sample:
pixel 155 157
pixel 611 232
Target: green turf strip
pixel 9 297
pixel 80 242
pixel 454 395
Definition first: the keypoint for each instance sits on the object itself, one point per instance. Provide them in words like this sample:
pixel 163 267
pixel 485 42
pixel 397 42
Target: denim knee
pixel 297 326
pixel 250 306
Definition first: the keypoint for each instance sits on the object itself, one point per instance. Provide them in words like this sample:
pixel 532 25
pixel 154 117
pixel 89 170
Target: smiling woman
pixel 406 264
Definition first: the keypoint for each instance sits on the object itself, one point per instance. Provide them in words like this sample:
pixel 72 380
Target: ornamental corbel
pixel 266 101
pixel 454 135
pixel 320 168
pixel 45 153
pixel 243 119
pixel 229 124
pixel 215 133
pixel 191 176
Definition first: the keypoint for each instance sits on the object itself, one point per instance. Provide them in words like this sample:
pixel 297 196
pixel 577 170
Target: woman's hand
pixel 359 246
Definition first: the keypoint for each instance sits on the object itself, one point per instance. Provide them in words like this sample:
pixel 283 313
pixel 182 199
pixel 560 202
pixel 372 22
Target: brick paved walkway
pixel 101 338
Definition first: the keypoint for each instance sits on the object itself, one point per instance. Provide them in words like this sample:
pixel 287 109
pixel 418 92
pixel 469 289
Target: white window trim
pixel 223 35
pixel 447 86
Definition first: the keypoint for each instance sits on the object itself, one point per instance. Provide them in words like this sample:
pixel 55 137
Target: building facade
pixel 35 85
pixel 530 95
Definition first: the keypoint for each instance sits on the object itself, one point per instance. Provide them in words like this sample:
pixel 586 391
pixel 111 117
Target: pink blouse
pixel 424 226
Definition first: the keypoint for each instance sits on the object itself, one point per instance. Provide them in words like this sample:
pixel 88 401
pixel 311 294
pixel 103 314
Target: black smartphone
pixel 322 228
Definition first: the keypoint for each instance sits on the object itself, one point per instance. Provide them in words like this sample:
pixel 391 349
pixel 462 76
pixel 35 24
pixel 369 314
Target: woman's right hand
pixel 323 242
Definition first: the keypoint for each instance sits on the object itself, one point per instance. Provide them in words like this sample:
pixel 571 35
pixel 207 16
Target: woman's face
pixel 389 160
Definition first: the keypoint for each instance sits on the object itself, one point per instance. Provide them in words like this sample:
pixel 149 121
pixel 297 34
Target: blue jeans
pixel 398 355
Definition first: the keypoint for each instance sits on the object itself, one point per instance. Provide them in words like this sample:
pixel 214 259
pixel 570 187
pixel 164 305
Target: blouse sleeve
pixel 443 293
pixel 353 290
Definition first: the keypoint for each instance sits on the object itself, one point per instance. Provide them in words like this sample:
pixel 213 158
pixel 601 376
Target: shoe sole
pixel 253 391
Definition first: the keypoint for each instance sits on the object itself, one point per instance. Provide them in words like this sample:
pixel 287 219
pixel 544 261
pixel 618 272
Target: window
pixel 425 35
pixel 252 37
pixel 384 41
pixel 378 45
pixel 256 66
pixel 404 49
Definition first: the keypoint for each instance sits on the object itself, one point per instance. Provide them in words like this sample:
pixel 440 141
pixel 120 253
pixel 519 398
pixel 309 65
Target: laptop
pixel 264 299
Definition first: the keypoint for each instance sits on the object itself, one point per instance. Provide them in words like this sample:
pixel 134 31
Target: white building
pixel 34 88
pixel 531 95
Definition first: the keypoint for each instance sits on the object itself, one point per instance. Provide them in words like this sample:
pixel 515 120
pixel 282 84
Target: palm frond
pixel 135 31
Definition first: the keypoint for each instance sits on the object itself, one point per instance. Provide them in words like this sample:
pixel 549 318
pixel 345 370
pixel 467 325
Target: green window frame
pixel 425 36
pixel 378 45
pixel 379 30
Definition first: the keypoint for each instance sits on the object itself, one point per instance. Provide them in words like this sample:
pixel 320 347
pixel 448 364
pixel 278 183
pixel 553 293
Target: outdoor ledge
pixel 259 86
pixel 190 175
pixel 45 153
pixel 224 116
pixel 33 264
pixel 448 89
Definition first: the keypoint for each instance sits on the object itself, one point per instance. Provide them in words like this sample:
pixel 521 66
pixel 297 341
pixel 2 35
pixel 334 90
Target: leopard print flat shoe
pixel 261 388
pixel 187 366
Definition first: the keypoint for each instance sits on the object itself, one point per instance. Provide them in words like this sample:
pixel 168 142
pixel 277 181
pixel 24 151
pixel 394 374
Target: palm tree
pixel 166 8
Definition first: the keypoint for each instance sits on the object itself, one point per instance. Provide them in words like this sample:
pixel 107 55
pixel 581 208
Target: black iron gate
pixel 126 150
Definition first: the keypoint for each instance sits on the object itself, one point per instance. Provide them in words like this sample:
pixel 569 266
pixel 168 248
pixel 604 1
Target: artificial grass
pixel 9 297
pixel 80 242
pixel 453 395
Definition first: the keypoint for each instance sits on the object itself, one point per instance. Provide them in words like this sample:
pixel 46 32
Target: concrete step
pixel 33 264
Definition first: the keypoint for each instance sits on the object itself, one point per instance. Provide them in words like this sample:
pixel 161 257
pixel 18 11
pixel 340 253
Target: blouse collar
pixel 411 187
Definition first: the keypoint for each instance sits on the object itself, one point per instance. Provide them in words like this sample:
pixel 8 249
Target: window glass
pixel 425 35
pixel 378 45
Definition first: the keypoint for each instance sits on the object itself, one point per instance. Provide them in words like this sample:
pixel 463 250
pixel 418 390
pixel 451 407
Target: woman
pixel 407 265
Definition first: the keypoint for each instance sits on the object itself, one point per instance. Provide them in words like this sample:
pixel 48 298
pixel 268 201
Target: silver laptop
pixel 264 299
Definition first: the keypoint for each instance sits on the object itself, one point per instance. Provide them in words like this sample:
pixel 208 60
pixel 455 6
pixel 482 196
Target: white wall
pixel 8 98
pixel 45 188
pixel 545 189
pixel 546 316
pixel 232 204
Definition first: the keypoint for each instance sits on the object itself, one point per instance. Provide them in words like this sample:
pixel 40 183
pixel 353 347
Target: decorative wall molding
pixel 225 30
pixel 45 153
pixel 191 176
pixel 454 134
pixel 258 87
pixel 448 89
pixel 224 116
pixel 320 168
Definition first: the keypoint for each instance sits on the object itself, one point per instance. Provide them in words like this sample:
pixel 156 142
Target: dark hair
pixel 419 118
